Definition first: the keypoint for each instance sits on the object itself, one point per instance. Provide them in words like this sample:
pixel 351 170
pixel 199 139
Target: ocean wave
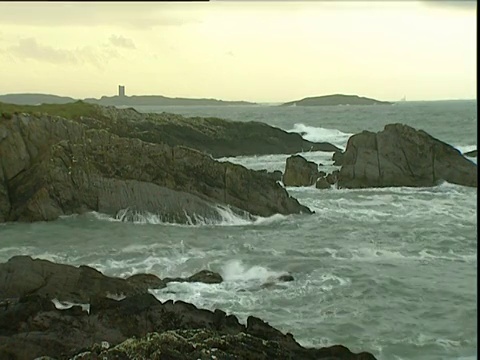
pixel 237 271
pixel 320 134
pixel 226 217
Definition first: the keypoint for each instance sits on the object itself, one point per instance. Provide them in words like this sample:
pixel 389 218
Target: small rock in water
pixel 206 276
pixel 285 278
pixel 322 183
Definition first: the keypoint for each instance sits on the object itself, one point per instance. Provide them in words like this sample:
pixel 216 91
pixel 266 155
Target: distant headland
pixel 337 99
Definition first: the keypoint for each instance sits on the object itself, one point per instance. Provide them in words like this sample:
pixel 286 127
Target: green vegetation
pixel 69 111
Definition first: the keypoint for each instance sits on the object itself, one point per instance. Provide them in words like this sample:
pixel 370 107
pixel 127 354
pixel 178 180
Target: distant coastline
pixel 158 100
pixel 143 100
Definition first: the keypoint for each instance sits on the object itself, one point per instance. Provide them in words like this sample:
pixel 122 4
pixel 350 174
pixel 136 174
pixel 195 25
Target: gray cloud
pixel 30 49
pixel 121 41
pixel 452 4
pixel 133 15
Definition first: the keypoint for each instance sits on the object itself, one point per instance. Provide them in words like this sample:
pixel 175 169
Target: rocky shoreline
pixel 111 160
pixel 122 320
pixel 82 157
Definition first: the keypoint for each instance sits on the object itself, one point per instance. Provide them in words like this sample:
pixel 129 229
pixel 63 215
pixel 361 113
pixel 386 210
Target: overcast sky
pixel 257 51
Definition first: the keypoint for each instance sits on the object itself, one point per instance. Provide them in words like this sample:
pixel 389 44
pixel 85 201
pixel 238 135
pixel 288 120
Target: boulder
pixel 52 166
pixel 300 172
pixel 402 156
pixel 472 153
pixel 322 183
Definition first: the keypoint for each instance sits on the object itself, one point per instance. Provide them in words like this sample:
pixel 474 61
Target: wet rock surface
pixel 136 327
pixel 52 166
pixel 403 156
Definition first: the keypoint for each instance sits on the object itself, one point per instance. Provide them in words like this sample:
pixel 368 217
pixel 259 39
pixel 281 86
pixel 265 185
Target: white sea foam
pixel 465 148
pixel 237 271
pixel 62 305
pixel 320 134
pixel 226 218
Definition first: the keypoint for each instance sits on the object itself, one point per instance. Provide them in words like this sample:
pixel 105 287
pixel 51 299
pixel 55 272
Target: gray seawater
pixel 391 271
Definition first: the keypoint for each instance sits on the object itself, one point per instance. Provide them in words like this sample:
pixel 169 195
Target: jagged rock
pixel 52 166
pixel 300 172
pixel 337 158
pixel 402 156
pixel 32 327
pixel 472 153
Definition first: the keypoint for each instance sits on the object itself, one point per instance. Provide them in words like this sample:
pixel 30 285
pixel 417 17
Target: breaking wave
pixel 319 134
pixel 226 217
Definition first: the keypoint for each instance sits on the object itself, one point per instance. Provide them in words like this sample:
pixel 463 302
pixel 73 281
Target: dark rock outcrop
pixel 23 276
pixel 402 156
pixel 51 166
pixel 472 153
pixel 300 172
pixel 31 326
pixel 217 137
pixel 207 344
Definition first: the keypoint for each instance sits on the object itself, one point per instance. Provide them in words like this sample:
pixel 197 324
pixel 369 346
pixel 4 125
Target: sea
pixel 391 271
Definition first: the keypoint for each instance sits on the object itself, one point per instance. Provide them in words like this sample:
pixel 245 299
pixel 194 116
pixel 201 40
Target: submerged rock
pixel 402 156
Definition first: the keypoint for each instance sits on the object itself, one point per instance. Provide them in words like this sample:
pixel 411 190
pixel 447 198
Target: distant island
pixel 118 100
pixel 337 99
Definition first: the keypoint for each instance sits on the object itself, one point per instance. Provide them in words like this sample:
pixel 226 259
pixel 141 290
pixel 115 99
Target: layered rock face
pixel 51 166
pixel 136 327
pixel 402 156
